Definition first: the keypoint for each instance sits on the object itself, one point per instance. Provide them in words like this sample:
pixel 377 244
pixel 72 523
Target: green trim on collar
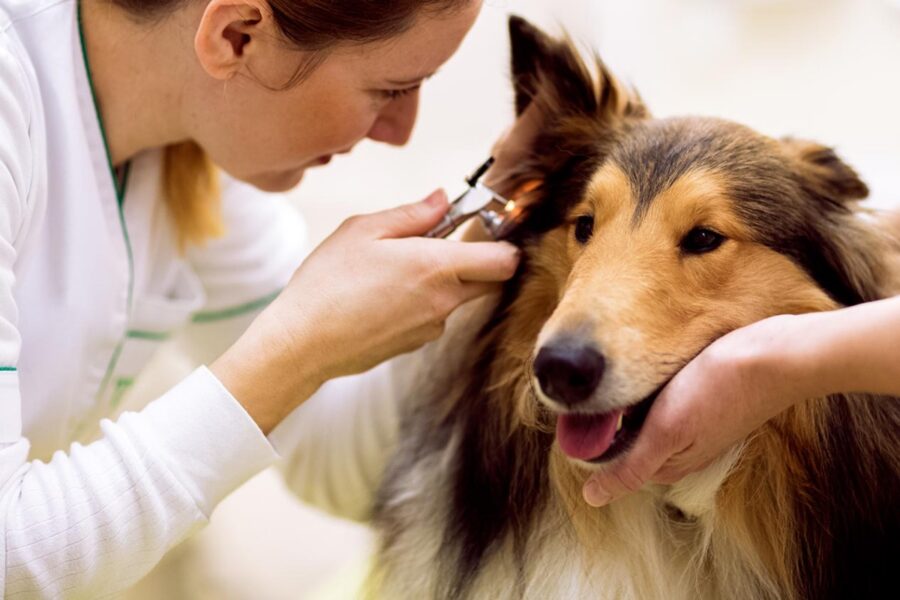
pixel 122 385
pixel 235 311
pixel 120 185
pixel 120 181
pixel 156 336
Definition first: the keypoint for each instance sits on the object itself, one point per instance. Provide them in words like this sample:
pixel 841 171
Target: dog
pixel 643 241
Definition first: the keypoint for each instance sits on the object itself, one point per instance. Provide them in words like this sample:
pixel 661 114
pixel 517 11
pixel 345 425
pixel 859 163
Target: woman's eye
pixel 395 94
pixel 700 240
pixel 584 228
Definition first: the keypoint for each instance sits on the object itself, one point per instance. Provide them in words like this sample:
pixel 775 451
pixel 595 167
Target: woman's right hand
pixel 371 291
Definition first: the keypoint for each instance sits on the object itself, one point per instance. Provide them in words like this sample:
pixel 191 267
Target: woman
pixel 111 236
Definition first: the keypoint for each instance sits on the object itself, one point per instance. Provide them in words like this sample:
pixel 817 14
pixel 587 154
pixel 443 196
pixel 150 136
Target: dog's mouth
pixel 600 437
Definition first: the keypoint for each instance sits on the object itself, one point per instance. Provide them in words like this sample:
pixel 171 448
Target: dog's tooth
pixel 619 424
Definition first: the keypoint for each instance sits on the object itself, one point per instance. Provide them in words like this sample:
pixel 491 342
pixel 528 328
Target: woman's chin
pixel 277 182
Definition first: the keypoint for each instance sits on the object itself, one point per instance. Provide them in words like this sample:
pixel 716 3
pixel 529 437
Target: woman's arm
pixel 336 446
pixel 856 349
pixel 371 291
pixel 749 376
pixel 94 520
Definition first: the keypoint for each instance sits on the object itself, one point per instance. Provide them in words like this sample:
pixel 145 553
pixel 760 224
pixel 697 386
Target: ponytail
pixel 192 194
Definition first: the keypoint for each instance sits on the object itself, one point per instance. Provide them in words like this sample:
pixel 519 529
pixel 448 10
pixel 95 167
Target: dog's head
pixel 653 237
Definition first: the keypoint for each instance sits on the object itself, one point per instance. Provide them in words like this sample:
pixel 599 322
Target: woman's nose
pixel 396 120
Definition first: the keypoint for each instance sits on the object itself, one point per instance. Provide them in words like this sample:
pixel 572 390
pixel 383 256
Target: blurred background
pixel 827 70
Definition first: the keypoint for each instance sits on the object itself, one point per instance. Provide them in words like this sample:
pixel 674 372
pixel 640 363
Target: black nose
pixel 569 373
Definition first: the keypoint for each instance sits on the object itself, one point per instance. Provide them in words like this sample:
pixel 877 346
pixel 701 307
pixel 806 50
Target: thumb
pixel 410 219
pixel 626 475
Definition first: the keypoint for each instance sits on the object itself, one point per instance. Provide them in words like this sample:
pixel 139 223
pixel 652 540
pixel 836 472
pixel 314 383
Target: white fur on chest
pixel 641 553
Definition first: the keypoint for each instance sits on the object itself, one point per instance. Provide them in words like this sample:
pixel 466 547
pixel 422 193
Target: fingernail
pixel 594 494
pixel 436 199
pixel 515 250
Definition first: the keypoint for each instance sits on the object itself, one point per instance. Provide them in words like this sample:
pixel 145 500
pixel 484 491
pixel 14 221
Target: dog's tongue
pixel 586 437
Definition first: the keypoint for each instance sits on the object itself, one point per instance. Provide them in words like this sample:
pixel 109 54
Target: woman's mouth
pixel 600 437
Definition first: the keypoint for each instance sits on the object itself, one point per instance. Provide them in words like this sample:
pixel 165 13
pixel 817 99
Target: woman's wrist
pixel 846 350
pixel 856 348
pixel 269 380
pixel 798 359
pixel 770 358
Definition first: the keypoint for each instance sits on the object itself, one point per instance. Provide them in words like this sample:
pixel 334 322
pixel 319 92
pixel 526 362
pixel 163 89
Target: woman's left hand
pixel 735 385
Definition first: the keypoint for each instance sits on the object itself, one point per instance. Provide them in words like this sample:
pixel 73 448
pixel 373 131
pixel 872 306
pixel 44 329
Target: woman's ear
pixel 229 29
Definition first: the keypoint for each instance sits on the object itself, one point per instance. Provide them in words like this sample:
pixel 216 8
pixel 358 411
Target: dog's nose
pixel 569 373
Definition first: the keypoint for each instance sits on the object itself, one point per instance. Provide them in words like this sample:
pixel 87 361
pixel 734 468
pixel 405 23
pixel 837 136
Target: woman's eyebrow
pixel 412 80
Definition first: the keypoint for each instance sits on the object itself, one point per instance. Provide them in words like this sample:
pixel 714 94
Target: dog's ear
pixel 575 112
pixel 844 254
pixel 551 71
pixel 823 173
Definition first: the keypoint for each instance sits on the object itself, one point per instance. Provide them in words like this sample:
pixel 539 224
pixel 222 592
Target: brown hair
pixel 190 180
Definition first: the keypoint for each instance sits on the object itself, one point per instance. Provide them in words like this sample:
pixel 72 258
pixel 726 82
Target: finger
pixel 630 474
pixel 680 466
pixel 620 480
pixel 473 290
pixel 481 261
pixel 409 219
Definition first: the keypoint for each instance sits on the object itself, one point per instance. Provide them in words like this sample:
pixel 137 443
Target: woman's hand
pixel 731 388
pixel 369 292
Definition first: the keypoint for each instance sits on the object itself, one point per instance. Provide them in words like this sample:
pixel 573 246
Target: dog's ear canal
pixel 823 173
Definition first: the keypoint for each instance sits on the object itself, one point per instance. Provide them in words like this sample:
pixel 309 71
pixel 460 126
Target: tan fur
pixel 650 309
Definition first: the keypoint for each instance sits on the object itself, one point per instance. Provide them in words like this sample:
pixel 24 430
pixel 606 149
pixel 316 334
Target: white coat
pixel 89 287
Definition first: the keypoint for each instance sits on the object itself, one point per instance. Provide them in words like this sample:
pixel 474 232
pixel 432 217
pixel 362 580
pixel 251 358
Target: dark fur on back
pixel 834 464
pixel 846 512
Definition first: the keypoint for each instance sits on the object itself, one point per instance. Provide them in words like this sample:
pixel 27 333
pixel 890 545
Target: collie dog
pixel 643 241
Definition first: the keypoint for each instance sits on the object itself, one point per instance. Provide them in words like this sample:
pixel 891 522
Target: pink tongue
pixel 586 436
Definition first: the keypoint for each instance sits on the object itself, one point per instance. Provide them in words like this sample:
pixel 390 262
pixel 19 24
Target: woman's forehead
pixel 418 52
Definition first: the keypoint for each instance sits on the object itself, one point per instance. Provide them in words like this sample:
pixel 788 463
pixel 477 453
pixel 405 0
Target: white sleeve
pixel 265 241
pixel 336 446
pixel 93 521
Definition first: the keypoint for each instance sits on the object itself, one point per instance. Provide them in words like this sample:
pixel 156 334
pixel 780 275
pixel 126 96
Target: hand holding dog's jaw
pixel 729 390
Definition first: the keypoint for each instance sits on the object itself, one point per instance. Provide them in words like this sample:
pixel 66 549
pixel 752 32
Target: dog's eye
pixel 700 240
pixel 584 228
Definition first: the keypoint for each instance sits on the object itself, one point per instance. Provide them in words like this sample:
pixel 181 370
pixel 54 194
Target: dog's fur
pixel 480 503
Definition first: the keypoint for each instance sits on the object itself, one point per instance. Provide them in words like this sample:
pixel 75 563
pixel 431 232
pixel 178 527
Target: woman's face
pixel 269 137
